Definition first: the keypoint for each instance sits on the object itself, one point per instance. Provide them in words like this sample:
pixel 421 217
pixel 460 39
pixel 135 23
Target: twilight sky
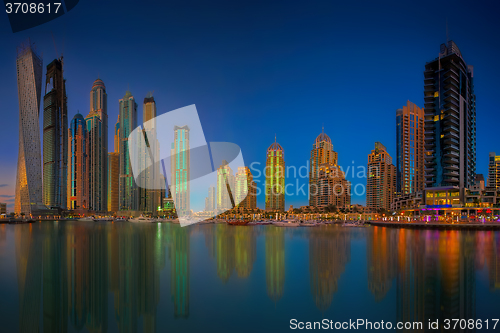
pixel 255 69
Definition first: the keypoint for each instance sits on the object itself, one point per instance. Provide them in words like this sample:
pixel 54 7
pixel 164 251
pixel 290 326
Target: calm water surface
pixel 123 277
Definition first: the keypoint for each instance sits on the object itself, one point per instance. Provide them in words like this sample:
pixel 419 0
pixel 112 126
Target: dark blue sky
pixel 256 68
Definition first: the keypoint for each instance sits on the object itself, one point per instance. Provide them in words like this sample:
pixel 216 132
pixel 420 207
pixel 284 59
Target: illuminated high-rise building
pixel 29 168
pixel 180 170
pixel 494 171
pixel 246 189
pixel 97 153
pixel 128 199
pixel 275 177
pixel 381 182
pixel 409 149
pixel 322 153
pixel 327 183
pixel 450 120
pixel 77 182
pixel 149 193
pixel 55 140
pixel 225 182
pixel 114 172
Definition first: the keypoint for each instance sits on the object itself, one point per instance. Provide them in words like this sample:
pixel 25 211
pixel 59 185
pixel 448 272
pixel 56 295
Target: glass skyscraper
pixel 180 166
pixel 450 120
pixel 77 164
pixel 97 128
pixel 128 199
pixel 55 140
pixel 29 168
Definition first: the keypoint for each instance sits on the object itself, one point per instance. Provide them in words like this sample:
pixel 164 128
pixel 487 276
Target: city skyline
pixel 335 117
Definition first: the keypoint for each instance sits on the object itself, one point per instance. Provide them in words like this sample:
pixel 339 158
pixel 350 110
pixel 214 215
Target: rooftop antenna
pixel 323 128
pixel 275 137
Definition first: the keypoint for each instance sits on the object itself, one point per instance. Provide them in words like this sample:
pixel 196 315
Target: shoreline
pixel 422 225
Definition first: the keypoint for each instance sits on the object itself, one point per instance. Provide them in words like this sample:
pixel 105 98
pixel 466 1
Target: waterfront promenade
pixel 438 225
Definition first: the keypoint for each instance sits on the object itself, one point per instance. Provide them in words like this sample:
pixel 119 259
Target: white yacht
pixel 142 219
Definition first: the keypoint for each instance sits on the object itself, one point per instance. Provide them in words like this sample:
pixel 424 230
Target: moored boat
pixel 237 222
pixel 86 219
pixel 142 219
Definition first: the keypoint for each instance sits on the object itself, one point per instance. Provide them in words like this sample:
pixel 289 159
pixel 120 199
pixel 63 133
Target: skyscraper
pixel 327 183
pixel 450 120
pixel 29 172
pixel 225 182
pixel 246 189
pixel 409 149
pixel 128 122
pixel 77 182
pixel 381 182
pixel 55 139
pixel 180 170
pixel 322 153
pixel 211 200
pixel 97 127
pixel 494 171
pixel 114 172
pixel 275 177
pixel 149 193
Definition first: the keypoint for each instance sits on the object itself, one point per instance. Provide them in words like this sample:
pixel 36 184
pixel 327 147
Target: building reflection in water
pixel 67 271
pixel 434 272
pixel 329 252
pixel 275 262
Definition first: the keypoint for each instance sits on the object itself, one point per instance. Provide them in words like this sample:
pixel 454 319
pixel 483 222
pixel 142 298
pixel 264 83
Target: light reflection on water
pixel 123 277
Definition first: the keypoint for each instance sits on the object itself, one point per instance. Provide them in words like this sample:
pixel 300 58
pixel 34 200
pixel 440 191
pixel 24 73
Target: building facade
pixel 3 208
pixel 77 181
pixel 97 153
pixel 275 177
pixel 450 120
pixel 55 140
pixel 494 171
pixel 322 154
pixel 225 186
pixel 180 167
pixel 246 189
pixel 128 198
pixel 211 200
pixel 29 191
pixel 327 183
pixel 409 149
pixel 150 193
pixel 114 172
pixel 332 187
pixel 381 181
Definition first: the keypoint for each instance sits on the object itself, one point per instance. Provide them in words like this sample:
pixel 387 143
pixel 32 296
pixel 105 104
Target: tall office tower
pixel 327 183
pixel 494 171
pixel 128 199
pixel 55 138
pixel 149 193
pixel 180 170
pixel 275 177
pixel 114 172
pixel 409 149
pixel 450 120
pixel 381 182
pixel 225 185
pixel 97 127
pixel 322 153
pixel 211 200
pixel 29 168
pixel 77 182
pixel 246 189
